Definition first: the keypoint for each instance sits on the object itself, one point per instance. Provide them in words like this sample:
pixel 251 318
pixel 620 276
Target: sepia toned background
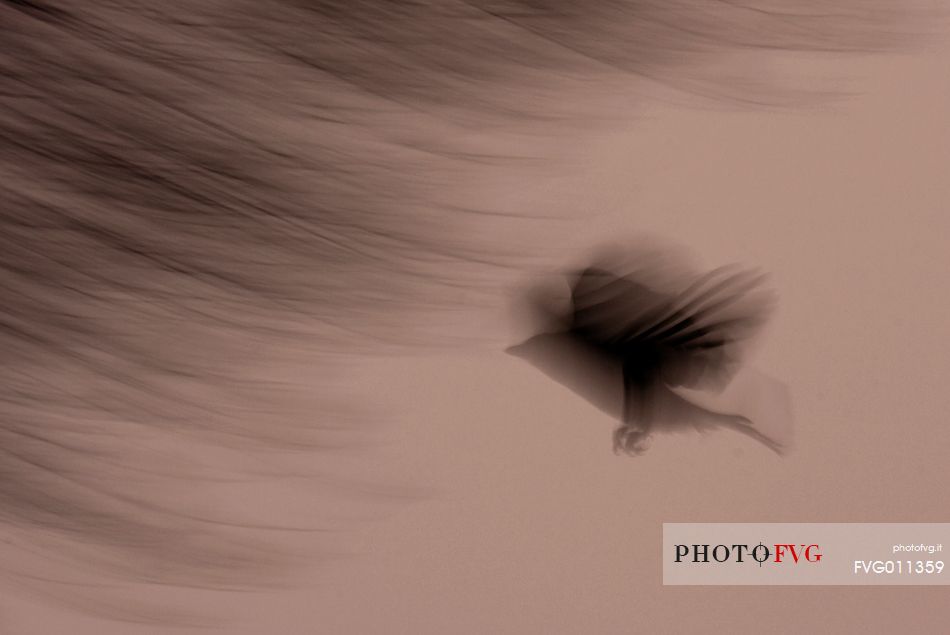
pixel 517 516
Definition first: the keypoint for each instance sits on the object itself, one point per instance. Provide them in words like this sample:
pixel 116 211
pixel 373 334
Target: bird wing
pixel 607 307
pixel 695 335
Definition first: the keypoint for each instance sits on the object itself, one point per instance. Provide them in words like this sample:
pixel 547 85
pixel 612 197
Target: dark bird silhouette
pixel 659 348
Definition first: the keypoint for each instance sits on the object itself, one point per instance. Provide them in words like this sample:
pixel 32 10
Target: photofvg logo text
pixel 785 553
pixel 804 553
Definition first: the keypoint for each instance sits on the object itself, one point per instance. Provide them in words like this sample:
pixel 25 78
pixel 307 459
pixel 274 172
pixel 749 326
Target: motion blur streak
pixel 202 201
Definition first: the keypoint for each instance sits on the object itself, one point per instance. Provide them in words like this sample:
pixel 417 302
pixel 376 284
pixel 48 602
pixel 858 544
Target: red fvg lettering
pixel 810 553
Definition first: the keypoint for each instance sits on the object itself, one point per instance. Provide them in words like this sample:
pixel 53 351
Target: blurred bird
pixel 660 348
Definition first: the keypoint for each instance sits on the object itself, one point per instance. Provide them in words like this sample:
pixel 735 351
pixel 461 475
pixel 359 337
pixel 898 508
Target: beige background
pixel 531 525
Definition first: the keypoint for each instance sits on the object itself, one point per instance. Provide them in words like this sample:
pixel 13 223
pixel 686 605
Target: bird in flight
pixel 660 348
